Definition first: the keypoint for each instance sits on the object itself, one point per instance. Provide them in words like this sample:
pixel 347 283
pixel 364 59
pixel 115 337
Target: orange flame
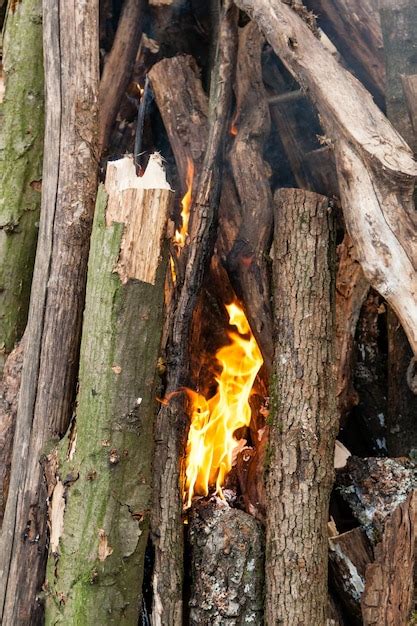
pixel 211 440
pixel 181 235
pixel 233 127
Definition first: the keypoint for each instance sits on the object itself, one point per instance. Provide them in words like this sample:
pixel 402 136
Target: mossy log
pixel 100 508
pixel 21 149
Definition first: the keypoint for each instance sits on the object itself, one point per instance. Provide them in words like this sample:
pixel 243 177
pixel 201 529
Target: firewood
pixel 227 559
pixel 303 419
pixel 171 423
pixel 376 189
pixel 109 451
pixel 69 185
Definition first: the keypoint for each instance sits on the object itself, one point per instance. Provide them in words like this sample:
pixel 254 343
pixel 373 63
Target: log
pixel 21 140
pixel 376 182
pixel 351 290
pixel 354 28
pixel 171 423
pixel 102 514
pixel 398 22
pixel 50 362
pixel 246 262
pixel 303 415
pixel 227 566
pixel 118 67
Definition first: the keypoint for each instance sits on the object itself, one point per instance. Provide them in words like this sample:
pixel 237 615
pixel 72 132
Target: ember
pixel 214 421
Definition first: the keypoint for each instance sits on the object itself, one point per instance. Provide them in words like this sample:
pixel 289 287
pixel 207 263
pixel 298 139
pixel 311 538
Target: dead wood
pixel 246 262
pixel 351 290
pixel 118 67
pixel 375 166
pixel 9 393
pixel 227 559
pixel 303 419
pixel 171 423
pixel 354 28
pixel 50 362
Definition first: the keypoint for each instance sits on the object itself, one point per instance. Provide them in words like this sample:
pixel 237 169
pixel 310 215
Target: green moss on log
pixel 21 149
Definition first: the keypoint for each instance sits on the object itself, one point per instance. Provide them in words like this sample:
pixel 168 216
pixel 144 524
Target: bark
pixel 303 414
pixel 246 262
pixel 398 27
pixel 226 566
pixel 21 140
pixel 118 67
pixel 354 27
pixel 50 363
pixel 102 514
pixel 170 432
pixel 376 170
pixel 349 555
pixel 9 394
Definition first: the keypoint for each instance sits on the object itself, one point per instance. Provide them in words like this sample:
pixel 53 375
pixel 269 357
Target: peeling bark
pixel 107 499
pixel 21 141
pixel 303 414
pixel 376 170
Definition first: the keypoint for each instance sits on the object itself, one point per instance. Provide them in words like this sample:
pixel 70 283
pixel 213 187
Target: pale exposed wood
pixel 171 425
pixel 71 64
pixel 118 67
pixel 227 566
pixel 109 451
pixel 376 170
pixel 303 416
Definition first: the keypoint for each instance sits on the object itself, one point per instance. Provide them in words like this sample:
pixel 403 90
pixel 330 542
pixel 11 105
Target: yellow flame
pixel 211 438
pixel 181 235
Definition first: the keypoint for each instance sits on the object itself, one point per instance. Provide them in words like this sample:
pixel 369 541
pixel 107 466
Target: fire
pixel 211 440
pixel 180 236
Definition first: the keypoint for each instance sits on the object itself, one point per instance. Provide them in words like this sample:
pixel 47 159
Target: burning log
pixel 303 415
pixel 376 189
pixel 69 186
pixel 105 461
pixel 227 559
pixel 171 426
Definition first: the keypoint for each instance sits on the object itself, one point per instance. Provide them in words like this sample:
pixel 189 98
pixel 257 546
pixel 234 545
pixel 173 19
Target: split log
pixel 22 125
pixel 351 290
pixel 171 422
pixel 381 493
pixel 227 566
pixel 399 21
pixel 349 555
pixel 101 500
pixel 53 331
pixel 376 170
pixel 246 262
pixel 9 394
pixel 118 67
pixel 354 28
pixel 303 414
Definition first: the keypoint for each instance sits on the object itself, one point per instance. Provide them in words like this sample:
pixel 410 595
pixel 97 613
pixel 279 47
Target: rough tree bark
pixel 376 170
pixel 171 422
pixel 100 516
pixel 50 364
pixel 303 413
pixel 21 148
pixel 399 21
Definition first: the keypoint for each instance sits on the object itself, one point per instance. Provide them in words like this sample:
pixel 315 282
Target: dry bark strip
pixel 375 166
pixel 50 364
pixel 227 566
pixel 171 423
pixel 247 260
pixel 102 514
pixel 303 413
pixel 118 67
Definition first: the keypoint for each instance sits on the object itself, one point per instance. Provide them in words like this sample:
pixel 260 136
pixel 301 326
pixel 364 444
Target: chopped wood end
pixel 141 203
